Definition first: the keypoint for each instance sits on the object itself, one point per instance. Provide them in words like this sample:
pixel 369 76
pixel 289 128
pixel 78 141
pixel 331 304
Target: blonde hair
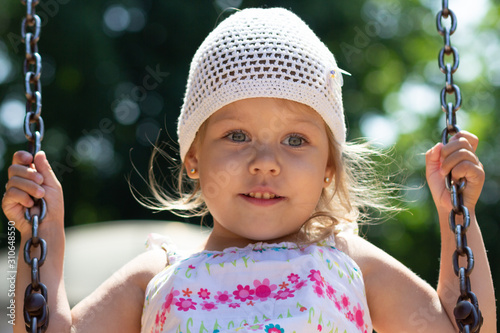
pixel 358 189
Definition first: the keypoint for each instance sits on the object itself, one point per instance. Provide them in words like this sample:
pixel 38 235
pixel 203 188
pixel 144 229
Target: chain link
pixel 36 311
pixel 467 314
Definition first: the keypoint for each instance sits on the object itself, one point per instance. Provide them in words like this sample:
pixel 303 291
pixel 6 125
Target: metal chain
pixel 36 311
pixel 467 314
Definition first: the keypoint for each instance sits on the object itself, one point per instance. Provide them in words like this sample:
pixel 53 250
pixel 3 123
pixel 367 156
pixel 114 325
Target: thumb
pixel 43 167
pixel 433 159
pixel 433 155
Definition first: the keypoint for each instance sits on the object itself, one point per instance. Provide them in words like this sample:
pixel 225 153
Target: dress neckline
pixel 263 246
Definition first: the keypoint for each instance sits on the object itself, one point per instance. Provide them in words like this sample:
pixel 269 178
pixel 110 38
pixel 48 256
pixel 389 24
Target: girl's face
pixel 261 164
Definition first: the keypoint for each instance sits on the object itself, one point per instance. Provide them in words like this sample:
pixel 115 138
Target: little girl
pixel 263 143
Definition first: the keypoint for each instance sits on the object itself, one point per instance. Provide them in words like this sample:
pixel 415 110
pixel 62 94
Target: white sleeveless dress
pixel 271 288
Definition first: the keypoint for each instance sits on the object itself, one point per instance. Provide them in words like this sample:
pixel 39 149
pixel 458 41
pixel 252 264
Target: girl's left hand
pixel 459 158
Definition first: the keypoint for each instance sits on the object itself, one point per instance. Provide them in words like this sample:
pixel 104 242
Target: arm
pixel 28 177
pixel 458 157
pixel 410 304
pixel 126 288
pixel 399 300
pixel 116 306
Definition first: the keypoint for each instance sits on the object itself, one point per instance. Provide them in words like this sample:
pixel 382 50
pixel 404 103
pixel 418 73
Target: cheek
pixel 313 165
pixel 221 163
pixel 217 173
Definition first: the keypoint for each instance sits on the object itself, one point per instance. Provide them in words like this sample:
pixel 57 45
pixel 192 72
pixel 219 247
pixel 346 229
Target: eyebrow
pixel 313 123
pixel 231 118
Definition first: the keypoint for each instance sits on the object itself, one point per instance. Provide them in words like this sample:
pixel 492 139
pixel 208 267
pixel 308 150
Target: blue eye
pixel 237 136
pixel 295 140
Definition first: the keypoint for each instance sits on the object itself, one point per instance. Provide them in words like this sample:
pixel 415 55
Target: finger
pixel 471 138
pixel 43 167
pixel 22 157
pixel 17 170
pixel 433 155
pixel 474 173
pixel 26 185
pixel 15 196
pixel 457 144
pixel 455 158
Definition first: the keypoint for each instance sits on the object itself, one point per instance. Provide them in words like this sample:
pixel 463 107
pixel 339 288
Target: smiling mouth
pixel 265 195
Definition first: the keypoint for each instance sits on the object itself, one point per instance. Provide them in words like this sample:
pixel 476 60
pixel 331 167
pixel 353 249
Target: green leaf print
pixel 217 326
pixel 351 274
pixel 203 328
pixel 189 321
pixel 245 260
pixel 311 311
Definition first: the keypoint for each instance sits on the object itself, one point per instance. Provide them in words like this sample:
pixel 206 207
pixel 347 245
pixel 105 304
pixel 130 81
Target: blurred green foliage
pixel 114 74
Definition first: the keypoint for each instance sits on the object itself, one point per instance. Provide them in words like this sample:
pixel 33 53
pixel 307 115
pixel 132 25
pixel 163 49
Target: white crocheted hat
pixel 261 53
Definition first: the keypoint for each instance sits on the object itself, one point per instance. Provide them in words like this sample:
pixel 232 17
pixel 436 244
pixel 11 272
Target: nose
pixel 264 161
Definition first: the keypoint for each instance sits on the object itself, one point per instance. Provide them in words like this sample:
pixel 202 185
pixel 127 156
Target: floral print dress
pixel 271 288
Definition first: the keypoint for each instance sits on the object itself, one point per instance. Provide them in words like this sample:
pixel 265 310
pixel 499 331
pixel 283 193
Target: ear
pixel 191 163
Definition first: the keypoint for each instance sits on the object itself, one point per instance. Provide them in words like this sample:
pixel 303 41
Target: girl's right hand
pixel 29 178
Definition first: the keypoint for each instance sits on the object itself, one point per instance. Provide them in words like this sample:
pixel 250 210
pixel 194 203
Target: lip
pixel 262 202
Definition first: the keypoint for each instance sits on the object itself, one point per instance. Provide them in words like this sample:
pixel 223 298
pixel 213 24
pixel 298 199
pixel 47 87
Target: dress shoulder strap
pixel 157 241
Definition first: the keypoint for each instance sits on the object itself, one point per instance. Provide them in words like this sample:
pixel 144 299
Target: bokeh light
pixel 379 129
pixel 5 64
pixel 116 18
pixel 126 112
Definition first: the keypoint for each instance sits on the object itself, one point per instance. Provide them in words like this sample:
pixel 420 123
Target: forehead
pixel 268 109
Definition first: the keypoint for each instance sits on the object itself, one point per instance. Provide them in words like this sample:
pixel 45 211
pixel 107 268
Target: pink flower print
pixel 293 278
pixel 191 267
pixel 302 309
pixel 271 328
pixel 284 294
pixel 318 290
pixel 301 285
pixel 345 301
pixel 330 292
pixel 209 306
pixel 358 316
pixel 320 328
pixel 169 299
pixel 185 304
pixel 234 305
pixel 243 293
pixel 337 305
pixel 223 297
pixel 159 322
pixel 264 290
pixel 159 318
pixel 204 293
pixel 316 277
pixel 349 316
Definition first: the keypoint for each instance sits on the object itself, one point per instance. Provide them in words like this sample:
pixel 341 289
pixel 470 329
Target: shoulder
pixel 377 266
pixel 144 267
pixel 364 253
